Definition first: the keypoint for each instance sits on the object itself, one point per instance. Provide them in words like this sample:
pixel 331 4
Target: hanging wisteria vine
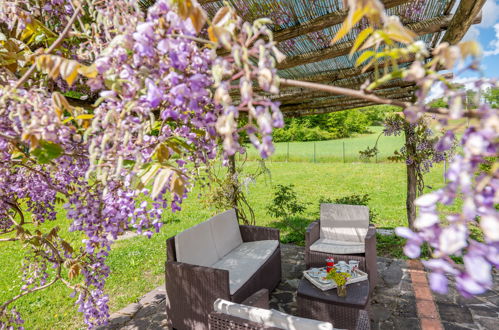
pixel 165 88
pixel 122 162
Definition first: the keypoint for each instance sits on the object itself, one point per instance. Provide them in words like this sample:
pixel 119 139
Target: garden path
pixel 401 300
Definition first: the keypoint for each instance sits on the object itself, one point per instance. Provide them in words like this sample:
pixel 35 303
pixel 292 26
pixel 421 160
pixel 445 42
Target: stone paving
pixel 393 305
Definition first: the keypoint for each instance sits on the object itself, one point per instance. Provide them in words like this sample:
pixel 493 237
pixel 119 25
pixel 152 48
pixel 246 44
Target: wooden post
pixel 233 175
pixel 412 180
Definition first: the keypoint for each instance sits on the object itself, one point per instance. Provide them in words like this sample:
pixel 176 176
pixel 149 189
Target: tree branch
pixel 343 91
pixel 52 47
pixel 9 239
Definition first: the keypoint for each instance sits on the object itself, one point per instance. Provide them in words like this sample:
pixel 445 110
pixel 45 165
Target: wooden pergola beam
pixel 466 14
pixel 203 2
pixel 301 96
pixel 297 94
pixel 322 22
pixel 387 93
pixel 319 23
pixel 431 25
pixel 334 108
pixel 347 102
pixel 334 75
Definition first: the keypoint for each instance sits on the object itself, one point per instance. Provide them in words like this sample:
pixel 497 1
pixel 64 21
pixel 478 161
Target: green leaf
pixel 46 151
pixel 350 22
pixel 360 39
pixel 364 57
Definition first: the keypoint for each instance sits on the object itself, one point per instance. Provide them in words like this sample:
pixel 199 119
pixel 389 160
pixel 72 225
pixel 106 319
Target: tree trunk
pixel 233 179
pixel 412 180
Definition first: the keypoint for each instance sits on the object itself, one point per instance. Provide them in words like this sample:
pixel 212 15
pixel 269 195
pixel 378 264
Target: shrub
pixel 286 207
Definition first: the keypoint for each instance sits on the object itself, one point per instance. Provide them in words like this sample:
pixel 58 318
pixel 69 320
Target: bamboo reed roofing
pixel 304 29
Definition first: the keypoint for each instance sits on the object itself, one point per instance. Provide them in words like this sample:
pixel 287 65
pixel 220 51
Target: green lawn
pixel 137 264
pixel 332 150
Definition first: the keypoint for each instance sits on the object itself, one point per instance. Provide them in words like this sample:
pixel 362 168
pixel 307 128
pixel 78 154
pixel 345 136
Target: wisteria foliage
pixel 168 89
pixel 162 106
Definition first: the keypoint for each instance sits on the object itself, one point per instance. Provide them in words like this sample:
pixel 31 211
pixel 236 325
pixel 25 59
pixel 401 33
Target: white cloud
pixel 490 19
pixel 437 90
pixel 494 44
pixel 472 34
pixel 490 14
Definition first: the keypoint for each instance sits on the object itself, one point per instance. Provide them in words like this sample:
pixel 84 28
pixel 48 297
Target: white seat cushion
pixel 269 318
pixel 244 261
pixel 196 246
pixel 337 247
pixel 225 231
pixel 344 222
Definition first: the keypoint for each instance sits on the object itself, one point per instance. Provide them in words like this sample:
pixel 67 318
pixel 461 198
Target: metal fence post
pixel 314 152
pixel 344 152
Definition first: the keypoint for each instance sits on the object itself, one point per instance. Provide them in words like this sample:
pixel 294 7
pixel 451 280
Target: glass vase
pixel 342 291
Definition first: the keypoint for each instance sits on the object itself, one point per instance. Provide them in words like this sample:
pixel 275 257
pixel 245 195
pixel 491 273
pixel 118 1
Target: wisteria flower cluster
pixel 161 112
pixel 251 59
pixel 449 234
pixel 425 141
pixel 446 233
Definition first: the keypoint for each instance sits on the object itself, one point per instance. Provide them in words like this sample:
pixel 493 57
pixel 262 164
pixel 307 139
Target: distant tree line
pixel 335 125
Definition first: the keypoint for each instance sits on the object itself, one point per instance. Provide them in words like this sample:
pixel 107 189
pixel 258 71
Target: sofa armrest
pixel 363 322
pixel 194 277
pixel 255 233
pixel 371 257
pixel 312 234
pixel 370 240
pixel 223 321
pixel 188 292
pixel 258 299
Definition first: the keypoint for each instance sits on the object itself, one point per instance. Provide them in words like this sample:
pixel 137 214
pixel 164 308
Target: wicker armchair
pixel 223 321
pixel 364 249
pixel 191 289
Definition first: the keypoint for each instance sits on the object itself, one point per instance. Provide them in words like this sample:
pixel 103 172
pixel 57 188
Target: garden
pixel 278 150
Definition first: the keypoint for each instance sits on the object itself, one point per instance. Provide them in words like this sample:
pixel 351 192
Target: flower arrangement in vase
pixel 341 281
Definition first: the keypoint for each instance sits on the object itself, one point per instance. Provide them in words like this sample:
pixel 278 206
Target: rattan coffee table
pixel 343 312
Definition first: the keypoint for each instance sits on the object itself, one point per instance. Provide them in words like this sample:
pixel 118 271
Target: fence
pixel 343 150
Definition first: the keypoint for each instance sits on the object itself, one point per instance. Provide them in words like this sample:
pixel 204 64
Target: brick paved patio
pixel 400 300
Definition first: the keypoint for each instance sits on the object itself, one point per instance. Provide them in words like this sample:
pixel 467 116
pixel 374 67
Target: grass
pixel 332 150
pixel 137 264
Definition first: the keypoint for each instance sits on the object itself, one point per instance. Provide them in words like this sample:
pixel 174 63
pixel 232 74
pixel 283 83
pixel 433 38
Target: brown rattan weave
pixel 219 321
pixel 367 260
pixel 191 290
pixel 342 312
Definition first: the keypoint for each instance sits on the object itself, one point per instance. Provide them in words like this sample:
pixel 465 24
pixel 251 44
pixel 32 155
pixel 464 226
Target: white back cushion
pixel 226 233
pixel 269 318
pixel 290 322
pixel 344 222
pixel 196 246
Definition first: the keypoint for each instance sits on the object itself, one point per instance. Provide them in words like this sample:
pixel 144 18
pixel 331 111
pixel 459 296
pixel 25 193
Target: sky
pixel 487 34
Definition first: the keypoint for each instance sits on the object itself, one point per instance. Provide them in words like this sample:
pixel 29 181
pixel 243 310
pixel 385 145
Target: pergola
pixel 304 29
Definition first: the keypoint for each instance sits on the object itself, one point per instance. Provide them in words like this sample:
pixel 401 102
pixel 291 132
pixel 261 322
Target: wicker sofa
pixel 215 259
pixel 253 314
pixel 343 232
